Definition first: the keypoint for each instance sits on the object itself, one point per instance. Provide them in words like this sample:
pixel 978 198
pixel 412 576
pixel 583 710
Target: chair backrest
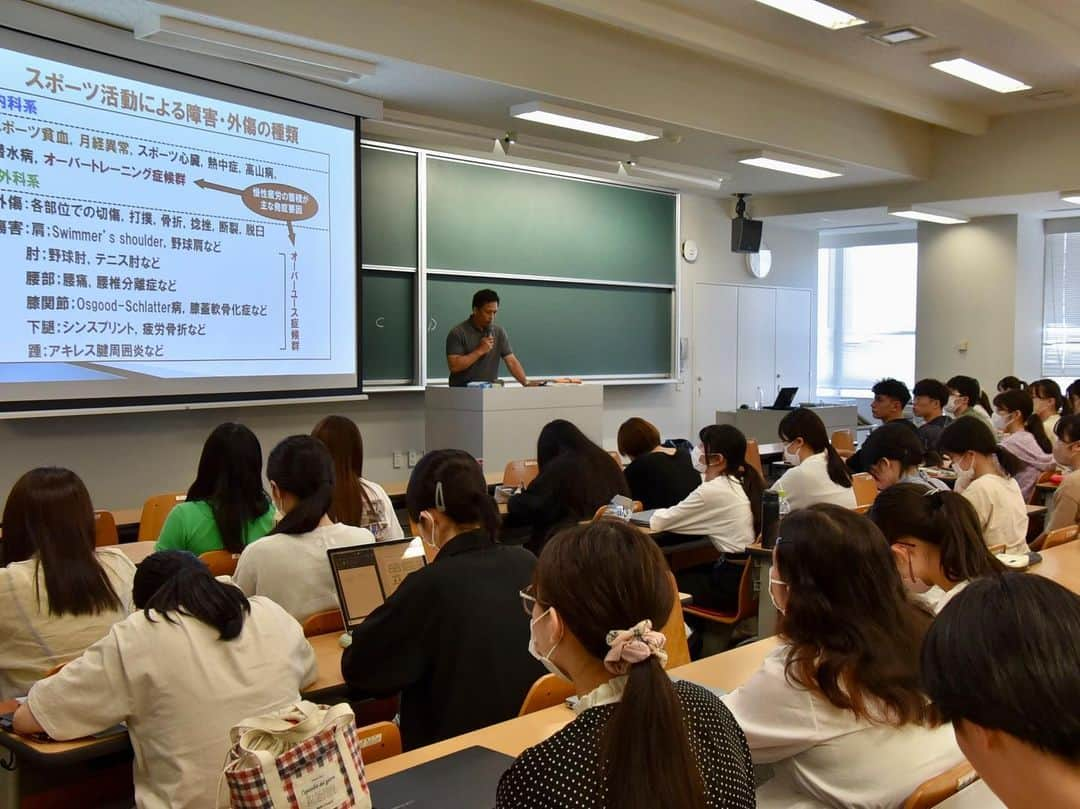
pixel 677 648
pixel 378 741
pixel 154 512
pixel 520 473
pixel 1060 536
pixel 546 692
pixel 843 441
pixel 55 669
pixel 995 549
pixel 322 622
pixel 934 790
pixel 1036 493
pixel 865 488
pixel 105 529
pixel 221 563
pixel 753 455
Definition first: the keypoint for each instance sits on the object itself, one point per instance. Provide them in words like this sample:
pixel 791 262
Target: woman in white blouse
pixel 289 565
pixel 935 538
pixel 197 659
pixel 818 474
pixel 837 707
pixel 983 475
pixel 58 594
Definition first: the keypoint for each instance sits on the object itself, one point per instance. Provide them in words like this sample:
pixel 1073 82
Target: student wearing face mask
pixel 1065 508
pixel 936 539
pixel 289 565
pixel 892 454
pixel 1024 436
pixel 818 473
pixel 983 476
pixel 967 399
pixel 639 740
pixel 1049 402
pixel 451 639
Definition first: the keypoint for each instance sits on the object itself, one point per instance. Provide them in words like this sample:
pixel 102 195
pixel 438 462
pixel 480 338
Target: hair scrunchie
pixel 630 646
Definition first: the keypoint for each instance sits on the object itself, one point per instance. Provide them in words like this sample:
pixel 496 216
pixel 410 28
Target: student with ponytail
pixel 639 739
pixel 936 539
pixel 1050 403
pixel 451 639
pixel 197 658
pixel 984 476
pixel 818 474
pixel 1024 435
pixel 290 565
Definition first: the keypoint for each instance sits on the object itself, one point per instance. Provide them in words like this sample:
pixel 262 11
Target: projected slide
pixel 159 242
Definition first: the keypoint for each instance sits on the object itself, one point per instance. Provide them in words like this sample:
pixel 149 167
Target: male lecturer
pixel 473 348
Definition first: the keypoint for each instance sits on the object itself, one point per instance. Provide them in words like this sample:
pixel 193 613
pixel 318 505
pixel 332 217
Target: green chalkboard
pixel 388 208
pixel 562 329
pixel 389 326
pixel 483 218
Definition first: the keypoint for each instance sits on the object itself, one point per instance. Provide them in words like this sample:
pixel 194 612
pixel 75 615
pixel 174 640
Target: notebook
pixel 366 575
pixel 466 779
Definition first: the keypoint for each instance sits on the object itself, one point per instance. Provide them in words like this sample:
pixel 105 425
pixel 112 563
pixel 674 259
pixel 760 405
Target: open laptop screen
pixel 366 575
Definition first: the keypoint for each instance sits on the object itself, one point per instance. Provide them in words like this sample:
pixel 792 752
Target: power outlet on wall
pixel 399 460
pixel 414 458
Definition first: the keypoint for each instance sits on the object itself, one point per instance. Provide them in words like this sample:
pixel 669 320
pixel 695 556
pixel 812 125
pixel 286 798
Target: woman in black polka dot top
pixel 639 741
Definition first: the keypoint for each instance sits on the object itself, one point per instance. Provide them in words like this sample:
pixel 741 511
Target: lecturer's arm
pixel 456 357
pixel 517 371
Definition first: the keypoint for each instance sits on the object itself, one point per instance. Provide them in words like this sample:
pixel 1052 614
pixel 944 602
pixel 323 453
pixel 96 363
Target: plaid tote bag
pixel 305 756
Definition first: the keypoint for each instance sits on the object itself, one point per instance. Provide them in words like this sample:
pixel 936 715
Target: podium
pixel 762 425
pixel 502 424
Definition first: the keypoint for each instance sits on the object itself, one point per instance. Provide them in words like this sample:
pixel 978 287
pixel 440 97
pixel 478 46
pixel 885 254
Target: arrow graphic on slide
pixel 292 204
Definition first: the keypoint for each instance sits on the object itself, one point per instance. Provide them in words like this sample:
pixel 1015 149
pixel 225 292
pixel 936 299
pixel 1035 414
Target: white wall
pixel 1030 254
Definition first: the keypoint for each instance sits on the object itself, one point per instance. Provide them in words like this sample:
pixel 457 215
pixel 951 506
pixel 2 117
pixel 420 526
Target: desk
pixel 397 490
pixel 1061 564
pixel 974 796
pixel 135 551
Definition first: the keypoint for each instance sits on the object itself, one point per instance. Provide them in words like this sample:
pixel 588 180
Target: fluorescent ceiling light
pixel 978 74
pixel 646 171
pixel 819 13
pixel 542 112
pixel 251 50
pixel 1071 196
pixel 924 214
pixel 789 165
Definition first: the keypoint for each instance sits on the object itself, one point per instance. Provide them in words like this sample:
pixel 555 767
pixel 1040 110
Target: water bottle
pixel 770 518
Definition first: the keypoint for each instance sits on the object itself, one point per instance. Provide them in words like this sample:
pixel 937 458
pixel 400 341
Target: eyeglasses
pixel 529 599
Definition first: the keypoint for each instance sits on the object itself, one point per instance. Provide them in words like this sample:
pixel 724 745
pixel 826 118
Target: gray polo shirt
pixel 463 339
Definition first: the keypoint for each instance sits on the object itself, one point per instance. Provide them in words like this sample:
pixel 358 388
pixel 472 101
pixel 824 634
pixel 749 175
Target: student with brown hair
pixel 837 708
pixel 640 740
pixel 356 501
pixel 58 594
pixel 658 476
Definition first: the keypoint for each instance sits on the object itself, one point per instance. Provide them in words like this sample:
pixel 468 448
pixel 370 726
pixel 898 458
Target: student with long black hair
pixel 197 658
pixel 1007 383
pixel 451 639
pixel 1024 435
pixel 936 538
pixel 290 565
pixel 639 740
pixel 226 506
pixel 1049 402
pixel 892 454
pixel 58 594
pixel 984 476
pixel 818 474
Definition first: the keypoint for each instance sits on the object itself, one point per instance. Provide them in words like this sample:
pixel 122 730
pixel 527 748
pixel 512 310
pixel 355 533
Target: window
pixel 1061 303
pixel 866 316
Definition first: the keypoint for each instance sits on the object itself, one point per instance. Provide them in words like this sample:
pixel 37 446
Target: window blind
pixel 1061 306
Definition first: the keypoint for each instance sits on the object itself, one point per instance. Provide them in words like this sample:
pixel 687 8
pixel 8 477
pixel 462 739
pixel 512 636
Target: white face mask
pixel 791 458
pixel 545 659
pixel 950 406
pixel 1000 421
pixel 963 476
pixel 433 543
pixel 772 598
pixel 1062 453
pixel 698 458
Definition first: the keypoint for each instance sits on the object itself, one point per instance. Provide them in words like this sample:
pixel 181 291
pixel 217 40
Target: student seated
pixel 892 454
pixel 58 594
pixel 226 507
pixel 197 658
pixel 356 501
pixel 575 477
pixel 726 508
pixel 818 474
pixel 931 397
pixel 891 396
pixel 837 707
pixel 983 472
pixel 657 476
pixel 1065 507
pixel 1049 403
pixel 1023 435
pixel 639 740
pixel 1015 715
pixel 290 565
pixel 451 638
pixel 936 538
pixel 1011 383
pixel 967 399
pixel 1072 395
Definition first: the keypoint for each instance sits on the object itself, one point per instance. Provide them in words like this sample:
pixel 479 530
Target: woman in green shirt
pixel 226 506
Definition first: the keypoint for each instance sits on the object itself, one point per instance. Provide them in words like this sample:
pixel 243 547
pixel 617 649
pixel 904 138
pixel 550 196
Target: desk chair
pixel 322 623
pixel 753 455
pixel 105 529
pixel 746 607
pixel 55 669
pixel 154 512
pixel 865 488
pixel 378 741
pixel 1060 536
pixel 677 647
pixel 221 563
pixel 546 692
pixel 934 790
pixel 843 442
pixel 996 549
pixel 520 473
pixel 1038 494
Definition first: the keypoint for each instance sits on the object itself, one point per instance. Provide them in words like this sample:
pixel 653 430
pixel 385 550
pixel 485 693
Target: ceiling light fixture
pixel 978 74
pixel 819 13
pixel 789 164
pixel 513 147
pixel 1071 196
pixel 645 170
pixel 923 214
pixel 899 36
pixel 542 112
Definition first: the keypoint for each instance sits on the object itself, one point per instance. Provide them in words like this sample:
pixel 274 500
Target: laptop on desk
pixel 466 779
pixel 784 399
pixel 366 575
